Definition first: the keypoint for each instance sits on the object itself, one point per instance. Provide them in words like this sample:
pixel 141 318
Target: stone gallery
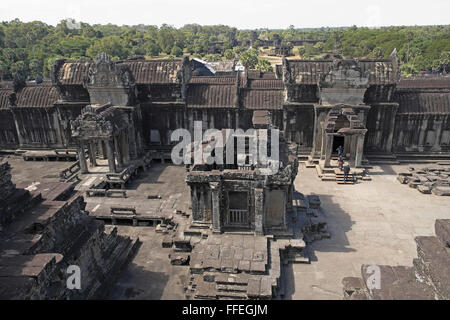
pixel 133 105
pixel 230 229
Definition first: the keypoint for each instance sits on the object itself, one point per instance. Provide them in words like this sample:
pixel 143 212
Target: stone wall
pixel 13 201
pixel 39 246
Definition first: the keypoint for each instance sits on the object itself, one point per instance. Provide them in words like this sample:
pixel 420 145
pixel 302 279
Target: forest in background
pixel 30 48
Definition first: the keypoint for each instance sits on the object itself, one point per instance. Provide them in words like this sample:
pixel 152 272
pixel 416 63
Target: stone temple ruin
pixel 44 231
pixel 231 226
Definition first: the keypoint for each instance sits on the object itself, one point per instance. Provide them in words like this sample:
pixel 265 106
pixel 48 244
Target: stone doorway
pixel 338 141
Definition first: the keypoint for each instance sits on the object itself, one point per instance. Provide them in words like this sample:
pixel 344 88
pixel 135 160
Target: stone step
pixel 193 232
pixel 442 229
pixel 231 288
pixel 433 264
pixel 345 182
pixel 384 162
pixel 200 226
pixel 397 283
pixel 232 295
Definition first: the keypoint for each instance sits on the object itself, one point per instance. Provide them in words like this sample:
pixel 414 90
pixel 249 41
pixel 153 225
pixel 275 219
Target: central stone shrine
pixel 243 196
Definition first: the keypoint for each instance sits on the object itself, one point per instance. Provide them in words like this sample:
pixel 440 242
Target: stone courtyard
pixel 370 223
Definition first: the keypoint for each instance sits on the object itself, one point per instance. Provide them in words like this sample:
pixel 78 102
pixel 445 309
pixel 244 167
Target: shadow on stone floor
pixel 151 176
pixel 288 281
pixel 136 283
pixel 385 170
pixel 339 222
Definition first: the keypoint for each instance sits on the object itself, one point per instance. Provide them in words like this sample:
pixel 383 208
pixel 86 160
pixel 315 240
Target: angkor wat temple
pixel 362 104
pixel 120 114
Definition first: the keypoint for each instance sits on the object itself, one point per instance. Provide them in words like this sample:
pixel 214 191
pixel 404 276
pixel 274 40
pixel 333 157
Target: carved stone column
pixel 194 203
pixel 323 148
pixel 92 161
pixel 102 150
pixel 126 148
pixel 82 158
pixel 110 154
pixel 359 150
pixel 118 151
pixel 259 211
pixel 328 151
pixel 215 194
pixel 392 128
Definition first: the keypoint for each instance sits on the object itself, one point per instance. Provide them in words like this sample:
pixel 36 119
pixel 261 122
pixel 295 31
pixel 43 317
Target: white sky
pixel 237 13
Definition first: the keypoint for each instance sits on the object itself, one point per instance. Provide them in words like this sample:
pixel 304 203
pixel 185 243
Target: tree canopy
pixel 30 48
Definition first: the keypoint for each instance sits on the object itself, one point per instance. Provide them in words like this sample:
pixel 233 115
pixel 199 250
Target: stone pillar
pixel 328 151
pixel 194 203
pixel 126 148
pixel 259 211
pixel 392 128
pixel 102 150
pixel 201 205
pixel 82 158
pixel 359 150
pixel 92 151
pixel 438 125
pixel 215 195
pixel 347 144
pixel 118 151
pixel 290 196
pixel 323 148
pixel 16 123
pixel 353 149
pixel 315 145
pixel 110 153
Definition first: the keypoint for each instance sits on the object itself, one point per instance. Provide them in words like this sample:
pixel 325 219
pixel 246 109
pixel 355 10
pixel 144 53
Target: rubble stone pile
pixel 428 180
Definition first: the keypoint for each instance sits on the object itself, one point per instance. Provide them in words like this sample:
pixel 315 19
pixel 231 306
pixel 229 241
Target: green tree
pixel 176 51
pixel 408 70
pixel 301 51
pixel 111 45
pixel 165 38
pixel 4 69
pixel 35 67
pixel 377 53
pixel 19 67
pixel 249 58
pixel 229 54
pixel 442 64
pixel 264 65
pixel 212 57
pixel 152 48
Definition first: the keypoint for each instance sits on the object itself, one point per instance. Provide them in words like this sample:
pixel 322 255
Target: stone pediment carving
pixel 345 83
pixel 104 73
pixel 345 74
pixel 90 124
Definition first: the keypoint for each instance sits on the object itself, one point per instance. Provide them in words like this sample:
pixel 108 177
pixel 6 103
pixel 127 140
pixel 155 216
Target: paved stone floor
pixel 35 171
pixel 150 274
pixel 372 222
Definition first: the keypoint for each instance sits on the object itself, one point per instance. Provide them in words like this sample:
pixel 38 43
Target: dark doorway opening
pixel 337 141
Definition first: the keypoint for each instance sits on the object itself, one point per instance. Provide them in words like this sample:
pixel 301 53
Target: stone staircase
pixel 334 174
pixel 428 279
pixel 340 177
